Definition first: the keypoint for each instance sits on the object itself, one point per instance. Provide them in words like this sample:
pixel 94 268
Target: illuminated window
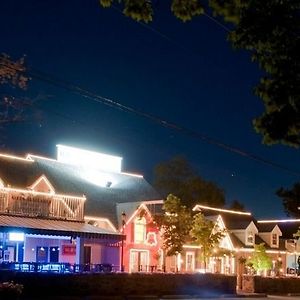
pixel 250 237
pixel 274 239
pixel 139 230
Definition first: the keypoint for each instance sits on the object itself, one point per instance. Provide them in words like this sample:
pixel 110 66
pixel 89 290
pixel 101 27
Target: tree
pixel 175 224
pixel 178 177
pixel 270 30
pixel 259 260
pixel 290 200
pixel 237 205
pixel 207 234
pixel 12 73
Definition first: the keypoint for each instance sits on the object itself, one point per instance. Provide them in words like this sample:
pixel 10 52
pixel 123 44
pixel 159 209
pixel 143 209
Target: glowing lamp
pixel 16 236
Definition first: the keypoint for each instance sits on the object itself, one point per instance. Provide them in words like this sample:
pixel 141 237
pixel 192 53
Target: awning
pixel 55 227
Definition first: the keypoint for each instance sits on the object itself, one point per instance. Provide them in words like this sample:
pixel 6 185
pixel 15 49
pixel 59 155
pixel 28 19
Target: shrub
pixel 10 290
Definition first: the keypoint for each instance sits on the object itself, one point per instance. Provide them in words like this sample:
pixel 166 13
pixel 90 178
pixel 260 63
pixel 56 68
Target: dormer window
pixel 250 237
pixel 140 230
pixel 274 239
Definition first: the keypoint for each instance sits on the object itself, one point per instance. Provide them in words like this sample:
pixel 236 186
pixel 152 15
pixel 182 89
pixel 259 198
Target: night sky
pixel 187 74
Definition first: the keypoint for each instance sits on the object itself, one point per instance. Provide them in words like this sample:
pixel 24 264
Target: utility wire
pixel 88 95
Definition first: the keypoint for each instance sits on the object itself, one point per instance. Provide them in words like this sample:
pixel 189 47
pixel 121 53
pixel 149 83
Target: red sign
pixel 69 249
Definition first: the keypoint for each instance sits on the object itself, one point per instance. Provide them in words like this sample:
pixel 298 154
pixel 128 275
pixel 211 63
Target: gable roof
pixel 287 227
pixel 233 220
pixel 69 179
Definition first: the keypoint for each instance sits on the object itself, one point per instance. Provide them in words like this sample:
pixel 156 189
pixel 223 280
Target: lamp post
pixel 123 220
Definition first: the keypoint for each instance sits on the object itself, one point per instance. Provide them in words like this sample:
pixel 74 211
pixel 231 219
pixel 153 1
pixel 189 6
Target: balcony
pixel 34 204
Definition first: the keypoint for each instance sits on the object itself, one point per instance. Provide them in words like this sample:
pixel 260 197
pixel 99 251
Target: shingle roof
pixel 266 227
pixel 287 228
pixel 54 227
pixel 232 221
pixel 69 179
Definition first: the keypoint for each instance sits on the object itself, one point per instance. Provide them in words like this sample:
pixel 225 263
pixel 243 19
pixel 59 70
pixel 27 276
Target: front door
pixel 139 261
pixel 54 254
pixel 87 255
pixel 42 254
pixel 190 261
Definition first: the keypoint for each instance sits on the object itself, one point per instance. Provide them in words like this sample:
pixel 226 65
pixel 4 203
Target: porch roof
pixel 55 227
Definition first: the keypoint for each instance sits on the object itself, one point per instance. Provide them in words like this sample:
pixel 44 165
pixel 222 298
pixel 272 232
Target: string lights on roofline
pixel 199 207
pixel 279 221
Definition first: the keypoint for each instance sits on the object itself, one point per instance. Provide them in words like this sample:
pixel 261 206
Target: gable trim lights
pixel 43 178
pixel 199 207
pixel 27 159
pixel 42 193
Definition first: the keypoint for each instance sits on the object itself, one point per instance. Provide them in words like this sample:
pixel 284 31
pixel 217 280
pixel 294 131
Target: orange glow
pixel 28 159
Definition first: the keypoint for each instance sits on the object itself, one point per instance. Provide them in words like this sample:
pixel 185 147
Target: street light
pixel 123 220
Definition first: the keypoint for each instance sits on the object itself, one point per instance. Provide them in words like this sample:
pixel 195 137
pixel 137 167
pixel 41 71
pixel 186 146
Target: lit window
pixel 250 237
pixel 139 230
pixel 274 239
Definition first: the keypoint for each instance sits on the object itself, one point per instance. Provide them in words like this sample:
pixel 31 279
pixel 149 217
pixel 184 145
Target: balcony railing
pixel 41 205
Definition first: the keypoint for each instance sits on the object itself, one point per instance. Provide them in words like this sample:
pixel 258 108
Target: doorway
pixel 190 262
pixel 54 254
pixel 139 261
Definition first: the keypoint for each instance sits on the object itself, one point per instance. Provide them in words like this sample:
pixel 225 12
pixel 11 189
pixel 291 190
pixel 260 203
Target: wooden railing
pixel 41 205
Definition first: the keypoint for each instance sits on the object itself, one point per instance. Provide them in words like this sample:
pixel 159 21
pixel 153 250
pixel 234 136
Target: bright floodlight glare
pixel 90 159
pixel 16 236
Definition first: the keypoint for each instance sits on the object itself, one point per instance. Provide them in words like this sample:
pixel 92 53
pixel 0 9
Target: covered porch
pixel 38 244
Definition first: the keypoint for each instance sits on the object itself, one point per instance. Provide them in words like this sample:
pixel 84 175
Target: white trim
pixel 132 174
pixel 267 251
pixel 192 253
pixel 32 156
pixel 279 221
pixel 198 207
pixel 16 157
pixel 138 250
pixel 41 193
pixel 45 179
pixel 90 218
pixel 137 210
pixel 141 222
pixel 153 202
pixel 227 235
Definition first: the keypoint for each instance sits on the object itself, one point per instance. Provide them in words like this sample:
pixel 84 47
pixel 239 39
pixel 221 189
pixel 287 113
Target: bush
pixel 110 284
pixel 10 290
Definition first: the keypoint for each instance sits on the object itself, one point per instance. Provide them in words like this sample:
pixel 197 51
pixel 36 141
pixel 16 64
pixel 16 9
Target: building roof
pixel 266 227
pixel 287 227
pixel 232 220
pixel 54 227
pixel 71 180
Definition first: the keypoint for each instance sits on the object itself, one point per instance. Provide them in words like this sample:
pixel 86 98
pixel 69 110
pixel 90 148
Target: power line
pixel 155 119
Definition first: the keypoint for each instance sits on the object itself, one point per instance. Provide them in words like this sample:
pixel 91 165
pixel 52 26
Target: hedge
pixel 48 284
pixel 277 285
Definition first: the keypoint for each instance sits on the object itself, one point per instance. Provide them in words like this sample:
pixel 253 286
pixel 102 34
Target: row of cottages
pixel 81 210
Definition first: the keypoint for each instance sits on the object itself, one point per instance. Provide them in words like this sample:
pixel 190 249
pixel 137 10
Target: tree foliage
pixel 260 261
pixel 178 177
pixel 13 71
pixel 290 200
pixel 207 234
pixel 175 224
pixel 237 205
pixel 270 30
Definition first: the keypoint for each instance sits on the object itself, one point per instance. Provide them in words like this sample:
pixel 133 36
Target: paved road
pixel 245 298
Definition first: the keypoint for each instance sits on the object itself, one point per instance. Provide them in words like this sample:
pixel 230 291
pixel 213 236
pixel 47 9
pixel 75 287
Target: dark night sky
pixel 192 77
